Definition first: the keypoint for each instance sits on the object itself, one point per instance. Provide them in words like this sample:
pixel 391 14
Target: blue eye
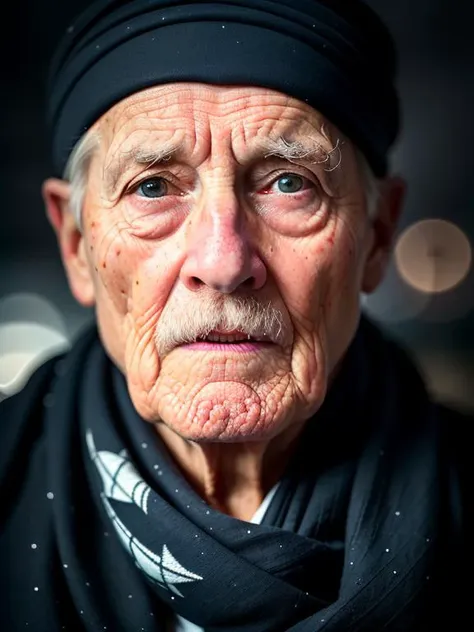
pixel 290 183
pixel 153 188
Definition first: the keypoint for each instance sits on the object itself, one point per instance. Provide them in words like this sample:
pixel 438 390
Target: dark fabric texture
pixel 335 55
pixel 99 529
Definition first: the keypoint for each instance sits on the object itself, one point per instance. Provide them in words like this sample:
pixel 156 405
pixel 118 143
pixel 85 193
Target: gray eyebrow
pixel 138 155
pixel 291 150
pixel 308 151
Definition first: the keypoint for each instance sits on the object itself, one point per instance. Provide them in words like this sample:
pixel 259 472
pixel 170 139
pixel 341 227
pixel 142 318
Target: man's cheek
pixel 115 274
pixel 304 301
pixel 142 362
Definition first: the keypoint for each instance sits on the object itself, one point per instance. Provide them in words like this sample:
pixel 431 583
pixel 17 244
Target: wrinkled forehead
pixel 232 128
pixel 228 127
pixel 189 112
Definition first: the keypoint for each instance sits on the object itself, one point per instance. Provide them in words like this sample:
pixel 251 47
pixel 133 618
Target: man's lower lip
pixel 227 347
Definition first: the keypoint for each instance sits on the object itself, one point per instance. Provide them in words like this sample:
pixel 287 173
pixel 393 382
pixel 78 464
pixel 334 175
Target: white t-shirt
pixel 183 625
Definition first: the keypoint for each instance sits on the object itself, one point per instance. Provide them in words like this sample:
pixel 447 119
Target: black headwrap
pixel 335 55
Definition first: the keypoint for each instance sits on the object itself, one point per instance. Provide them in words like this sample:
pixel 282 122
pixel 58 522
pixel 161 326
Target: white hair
pixel 77 171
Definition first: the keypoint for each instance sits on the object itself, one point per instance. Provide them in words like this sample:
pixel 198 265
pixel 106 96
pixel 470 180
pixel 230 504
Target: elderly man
pixel 233 447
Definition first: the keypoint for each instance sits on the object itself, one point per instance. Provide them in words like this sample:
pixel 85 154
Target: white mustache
pixel 179 325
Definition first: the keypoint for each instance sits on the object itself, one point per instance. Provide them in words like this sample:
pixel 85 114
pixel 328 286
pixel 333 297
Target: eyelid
pixel 166 176
pixel 270 179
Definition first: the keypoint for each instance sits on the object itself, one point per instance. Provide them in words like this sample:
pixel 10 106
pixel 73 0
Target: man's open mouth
pixel 231 338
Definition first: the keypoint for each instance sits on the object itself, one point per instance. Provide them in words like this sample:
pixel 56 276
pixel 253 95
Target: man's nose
pixel 219 251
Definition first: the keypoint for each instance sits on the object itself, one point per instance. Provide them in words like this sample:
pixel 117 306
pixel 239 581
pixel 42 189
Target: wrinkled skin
pixel 222 227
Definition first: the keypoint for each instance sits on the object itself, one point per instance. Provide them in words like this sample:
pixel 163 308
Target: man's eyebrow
pixel 306 150
pixel 302 150
pixel 139 156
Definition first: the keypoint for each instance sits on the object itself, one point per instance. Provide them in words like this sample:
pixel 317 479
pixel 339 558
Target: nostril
pixel 196 281
pixel 249 283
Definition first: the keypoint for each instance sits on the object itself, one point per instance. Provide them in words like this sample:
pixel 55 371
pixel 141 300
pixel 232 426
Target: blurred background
pixel 427 299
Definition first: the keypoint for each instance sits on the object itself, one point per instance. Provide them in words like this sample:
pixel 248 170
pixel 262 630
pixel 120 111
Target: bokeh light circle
pixel 433 256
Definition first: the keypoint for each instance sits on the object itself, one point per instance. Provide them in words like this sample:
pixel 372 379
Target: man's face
pixel 193 222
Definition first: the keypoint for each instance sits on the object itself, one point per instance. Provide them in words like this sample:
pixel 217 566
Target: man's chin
pixel 215 411
pixel 231 431
pixel 227 411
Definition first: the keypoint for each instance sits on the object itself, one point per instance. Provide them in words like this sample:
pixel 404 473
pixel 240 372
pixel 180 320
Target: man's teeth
pixel 227 338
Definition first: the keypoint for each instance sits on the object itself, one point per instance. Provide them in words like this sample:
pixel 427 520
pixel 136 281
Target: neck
pixel 232 477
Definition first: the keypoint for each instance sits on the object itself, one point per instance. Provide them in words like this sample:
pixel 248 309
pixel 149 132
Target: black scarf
pixel 102 532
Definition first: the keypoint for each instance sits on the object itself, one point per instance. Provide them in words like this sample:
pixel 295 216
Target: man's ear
pixel 56 196
pixel 392 193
